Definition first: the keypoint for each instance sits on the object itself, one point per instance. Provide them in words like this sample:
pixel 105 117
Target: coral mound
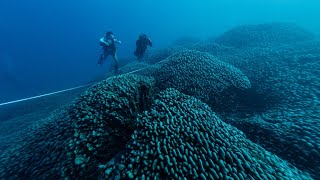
pixel 200 75
pixel 74 141
pixel 180 137
pixel 286 80
pixel 263 34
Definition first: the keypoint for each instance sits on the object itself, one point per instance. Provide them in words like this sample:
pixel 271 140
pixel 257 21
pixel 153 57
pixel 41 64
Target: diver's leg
pixel 115 57
pixel 100 61
pixel 139 55
pixel 103 57
pixel 135 53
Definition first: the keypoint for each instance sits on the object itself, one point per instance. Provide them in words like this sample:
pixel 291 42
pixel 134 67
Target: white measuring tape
pixel 57 92
pixel 43 95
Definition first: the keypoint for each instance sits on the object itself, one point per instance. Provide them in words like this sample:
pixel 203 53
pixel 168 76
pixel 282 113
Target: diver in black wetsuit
pixel 141 46
pixel 108 43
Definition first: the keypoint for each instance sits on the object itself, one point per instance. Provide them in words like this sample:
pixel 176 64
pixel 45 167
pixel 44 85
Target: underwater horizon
pixel 41 41
pixel 215 90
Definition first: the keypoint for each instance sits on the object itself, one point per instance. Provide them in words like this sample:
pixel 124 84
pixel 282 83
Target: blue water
pixel 53 45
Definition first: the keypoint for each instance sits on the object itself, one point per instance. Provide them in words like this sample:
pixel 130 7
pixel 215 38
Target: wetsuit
pixel 108 44
pixel 141 46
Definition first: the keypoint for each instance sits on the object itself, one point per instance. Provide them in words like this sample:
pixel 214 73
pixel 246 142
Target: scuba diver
pixel 141 46
pixel 108 43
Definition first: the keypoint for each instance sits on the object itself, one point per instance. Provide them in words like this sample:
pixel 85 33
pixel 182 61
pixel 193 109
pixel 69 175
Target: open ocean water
pixel 228 90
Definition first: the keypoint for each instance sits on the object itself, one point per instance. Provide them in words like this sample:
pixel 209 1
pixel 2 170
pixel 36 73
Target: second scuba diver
pixel 141 46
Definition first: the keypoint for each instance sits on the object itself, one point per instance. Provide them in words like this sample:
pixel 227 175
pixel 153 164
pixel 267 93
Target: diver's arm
pixel 149 42
pixel 117 41
pixel 103 42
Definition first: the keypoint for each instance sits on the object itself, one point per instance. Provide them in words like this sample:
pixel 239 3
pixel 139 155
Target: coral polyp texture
pixel 282 108
pixel 181 138
pixel 286 80
pixel 200 75
pixel 72 142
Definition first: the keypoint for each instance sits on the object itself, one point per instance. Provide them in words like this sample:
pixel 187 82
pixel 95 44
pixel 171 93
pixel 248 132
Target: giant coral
pixel 264 34
pixel 74 140
pixel 200 75
pixel 181 138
